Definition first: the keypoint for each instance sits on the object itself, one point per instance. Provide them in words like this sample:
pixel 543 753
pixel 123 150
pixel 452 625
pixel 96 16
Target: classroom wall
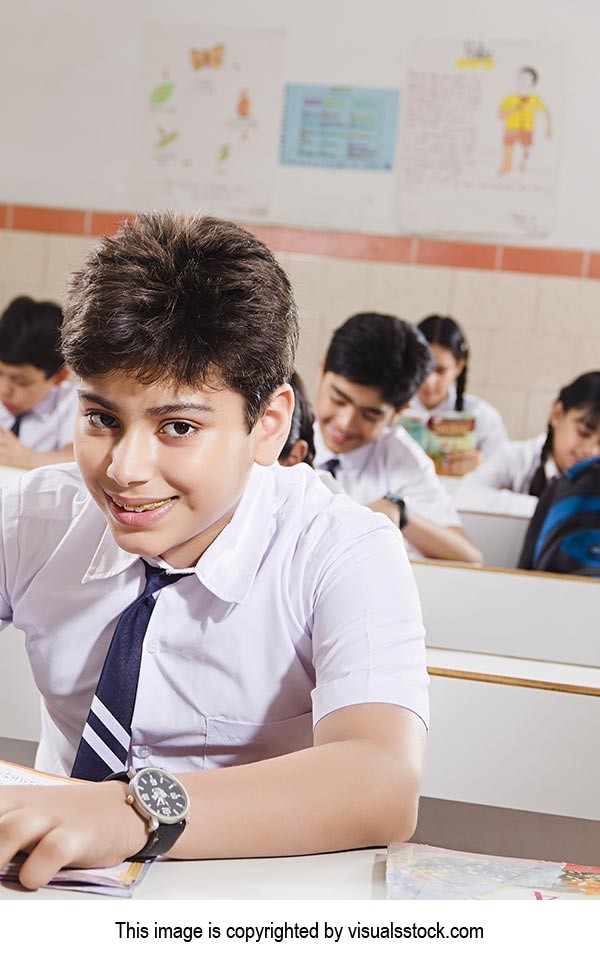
pixel 529 333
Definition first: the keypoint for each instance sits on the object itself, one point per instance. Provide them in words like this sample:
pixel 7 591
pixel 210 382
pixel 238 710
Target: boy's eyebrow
pixel 345 397
pixel 162 410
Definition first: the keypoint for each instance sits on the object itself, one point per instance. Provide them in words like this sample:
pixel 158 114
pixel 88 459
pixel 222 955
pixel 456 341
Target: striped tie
pixel 106 737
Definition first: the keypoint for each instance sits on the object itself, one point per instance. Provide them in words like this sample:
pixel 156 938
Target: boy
pixel 518 112
pixel 37 402
pixel 373 367
pixel 246 603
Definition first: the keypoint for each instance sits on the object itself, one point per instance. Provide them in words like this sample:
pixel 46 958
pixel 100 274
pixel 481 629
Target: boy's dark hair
pixel 379 350
pixel 30 334
pixel 301 428
pixel 189 300
pixel 533 73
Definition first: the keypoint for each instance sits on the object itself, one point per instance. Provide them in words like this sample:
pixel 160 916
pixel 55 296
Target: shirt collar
pixel 228 567
pixel 350 461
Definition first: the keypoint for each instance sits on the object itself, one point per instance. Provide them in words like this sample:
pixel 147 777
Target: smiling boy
pixel 273 626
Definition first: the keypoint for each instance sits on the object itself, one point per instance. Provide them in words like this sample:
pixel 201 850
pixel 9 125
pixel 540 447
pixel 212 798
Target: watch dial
pixel 161 794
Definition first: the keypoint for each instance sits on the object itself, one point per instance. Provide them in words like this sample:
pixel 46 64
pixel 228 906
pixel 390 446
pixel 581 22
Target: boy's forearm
pixel 431 539
pixel 37 459
pixel 349 794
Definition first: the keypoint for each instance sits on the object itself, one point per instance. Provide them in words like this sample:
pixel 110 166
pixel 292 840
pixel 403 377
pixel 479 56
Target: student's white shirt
pixel 49 425
pixel 502 482
pixel 490 432
pixel 394 463
pixel 304 604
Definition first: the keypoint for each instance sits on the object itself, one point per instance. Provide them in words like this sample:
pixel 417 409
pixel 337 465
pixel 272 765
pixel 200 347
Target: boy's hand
pixel 13 454
pixel 86 824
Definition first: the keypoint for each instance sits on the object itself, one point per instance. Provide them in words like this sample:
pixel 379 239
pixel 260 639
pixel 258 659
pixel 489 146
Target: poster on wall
pixel 480 139
pixel 209 111
pixel 341 127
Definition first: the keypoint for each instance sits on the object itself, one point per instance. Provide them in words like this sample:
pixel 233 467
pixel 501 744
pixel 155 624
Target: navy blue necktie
pixel 16 426
pixel 106 737
pixel 332 466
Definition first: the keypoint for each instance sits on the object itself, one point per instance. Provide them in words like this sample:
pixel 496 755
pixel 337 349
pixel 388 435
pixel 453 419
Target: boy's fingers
pixel 54 850
pixel 19 829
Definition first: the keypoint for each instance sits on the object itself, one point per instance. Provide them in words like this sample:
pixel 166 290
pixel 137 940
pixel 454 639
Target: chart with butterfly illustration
pixel 208 132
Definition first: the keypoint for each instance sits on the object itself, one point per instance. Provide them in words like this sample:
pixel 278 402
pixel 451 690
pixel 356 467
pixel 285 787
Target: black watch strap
pixel 403 516
pixel 162 839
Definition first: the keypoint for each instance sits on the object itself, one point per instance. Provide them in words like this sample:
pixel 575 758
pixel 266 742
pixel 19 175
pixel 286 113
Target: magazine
pixel 442 434
pixel 419 872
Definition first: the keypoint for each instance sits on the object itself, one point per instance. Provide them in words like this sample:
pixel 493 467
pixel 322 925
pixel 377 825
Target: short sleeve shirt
pixel 304 604
pixel 48 426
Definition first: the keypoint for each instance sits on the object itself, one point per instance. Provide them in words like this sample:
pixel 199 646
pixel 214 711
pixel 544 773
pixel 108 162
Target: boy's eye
pixel 178 429
pixel 99 419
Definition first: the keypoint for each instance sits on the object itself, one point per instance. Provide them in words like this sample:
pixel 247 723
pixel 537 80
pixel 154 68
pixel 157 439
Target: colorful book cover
pixel 442 434
pixel 421 872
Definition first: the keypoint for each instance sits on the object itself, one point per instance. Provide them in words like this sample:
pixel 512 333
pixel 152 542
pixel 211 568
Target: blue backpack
pixel 564 532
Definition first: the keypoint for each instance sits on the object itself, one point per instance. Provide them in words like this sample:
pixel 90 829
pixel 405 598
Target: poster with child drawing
pixel 480 139
pixel 209 104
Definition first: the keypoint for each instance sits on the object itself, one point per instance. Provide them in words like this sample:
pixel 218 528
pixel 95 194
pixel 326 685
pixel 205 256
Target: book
pixel 119 880
pixel 441 434
pixel 419 872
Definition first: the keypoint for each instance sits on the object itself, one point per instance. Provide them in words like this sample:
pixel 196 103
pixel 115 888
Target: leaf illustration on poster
pixel 208 124
pixel 480 138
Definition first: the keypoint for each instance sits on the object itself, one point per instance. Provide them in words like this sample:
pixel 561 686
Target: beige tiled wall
pixel 528 334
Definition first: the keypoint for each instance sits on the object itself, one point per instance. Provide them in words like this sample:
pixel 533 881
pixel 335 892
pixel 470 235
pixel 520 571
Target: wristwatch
pixel 401 502
pixel 162 801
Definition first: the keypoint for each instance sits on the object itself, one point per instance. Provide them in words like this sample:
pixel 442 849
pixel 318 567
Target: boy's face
pixel 350 415
pixel 23 386
pixel 182 456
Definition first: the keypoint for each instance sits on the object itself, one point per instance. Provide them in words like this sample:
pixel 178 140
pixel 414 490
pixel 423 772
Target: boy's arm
pixel 433 540
pixel 13 454
pixel 358 786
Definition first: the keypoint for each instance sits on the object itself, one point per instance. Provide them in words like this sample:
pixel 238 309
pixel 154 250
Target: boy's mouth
pixel 139 508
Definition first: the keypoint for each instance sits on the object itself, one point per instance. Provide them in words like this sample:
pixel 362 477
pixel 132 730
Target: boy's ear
pixel 60 375
pixel 274 425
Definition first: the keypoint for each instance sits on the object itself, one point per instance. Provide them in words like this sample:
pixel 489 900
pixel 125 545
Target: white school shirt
pixel 394 463
pixel 490 432
pixel 304 604
pixel 502 482
pixel 49 425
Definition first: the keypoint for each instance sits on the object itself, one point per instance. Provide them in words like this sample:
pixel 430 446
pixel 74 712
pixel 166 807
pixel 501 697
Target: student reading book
pixel 207 628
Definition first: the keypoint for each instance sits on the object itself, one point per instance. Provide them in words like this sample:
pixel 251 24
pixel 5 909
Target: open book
pixel 118 880
pixel 423 872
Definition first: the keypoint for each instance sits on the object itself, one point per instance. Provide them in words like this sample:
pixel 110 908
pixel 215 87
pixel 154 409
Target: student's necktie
pixel 106 737
pixel 16 425
pixel 332 466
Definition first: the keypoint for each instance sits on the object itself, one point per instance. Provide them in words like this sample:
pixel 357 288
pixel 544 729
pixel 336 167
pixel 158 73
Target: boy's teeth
pixel 141 507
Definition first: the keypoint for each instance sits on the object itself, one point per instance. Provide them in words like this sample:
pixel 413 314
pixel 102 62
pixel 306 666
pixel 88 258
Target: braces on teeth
pixel 141 507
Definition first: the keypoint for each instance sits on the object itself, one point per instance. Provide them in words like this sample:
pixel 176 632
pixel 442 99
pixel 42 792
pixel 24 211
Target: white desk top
pixel 340 875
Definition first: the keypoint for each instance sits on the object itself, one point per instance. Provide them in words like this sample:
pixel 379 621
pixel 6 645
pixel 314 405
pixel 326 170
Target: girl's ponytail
pixel 446 332
pixel 539 480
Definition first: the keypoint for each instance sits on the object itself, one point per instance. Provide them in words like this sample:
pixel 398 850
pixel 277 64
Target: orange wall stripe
pixel 354 246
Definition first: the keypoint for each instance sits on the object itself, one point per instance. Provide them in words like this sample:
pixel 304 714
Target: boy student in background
pixel 525 467
pixel 190 605
pixel 37 402
pixel 373 366
pixel 444 390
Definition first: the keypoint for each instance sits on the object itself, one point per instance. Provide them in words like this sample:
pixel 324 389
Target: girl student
pixel 573 435
pixel 444 391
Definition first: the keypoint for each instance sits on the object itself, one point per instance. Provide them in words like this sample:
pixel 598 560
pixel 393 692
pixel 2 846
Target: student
pixel 374 365
pixel 525 467
pixel 300 445
pixel 37 402
pixel 444 390
pixel 282 665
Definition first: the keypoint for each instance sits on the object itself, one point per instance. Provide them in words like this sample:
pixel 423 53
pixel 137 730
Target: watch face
pixel 160 794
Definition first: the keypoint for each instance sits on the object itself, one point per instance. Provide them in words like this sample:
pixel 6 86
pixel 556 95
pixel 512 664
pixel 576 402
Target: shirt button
pixel 153 646
pixel 143 751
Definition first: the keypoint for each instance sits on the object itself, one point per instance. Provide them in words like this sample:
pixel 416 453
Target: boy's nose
pixel 131 461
